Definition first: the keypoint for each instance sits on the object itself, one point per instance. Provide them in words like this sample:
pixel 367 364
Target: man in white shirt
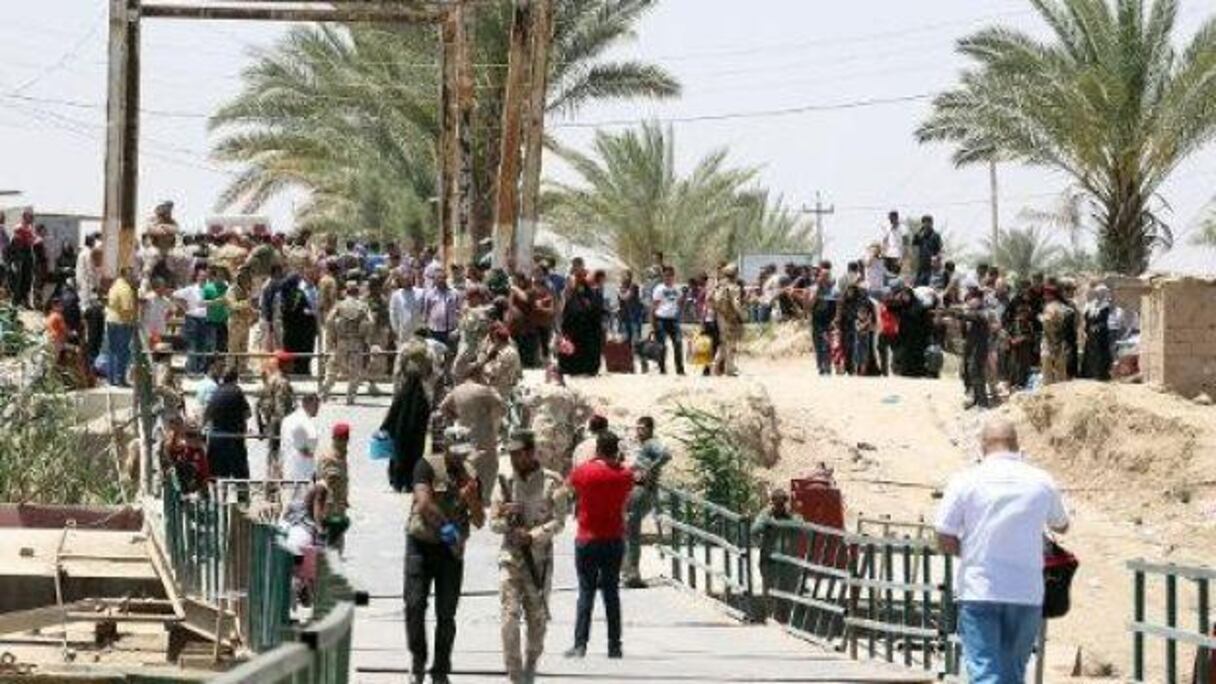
pixel 993 517
pixel 298 437
pixel 668 301
pixel 199 336
pixel 405 310
pixel 893 243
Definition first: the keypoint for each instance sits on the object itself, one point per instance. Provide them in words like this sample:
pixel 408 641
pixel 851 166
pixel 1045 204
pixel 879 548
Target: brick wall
pixel 1178 335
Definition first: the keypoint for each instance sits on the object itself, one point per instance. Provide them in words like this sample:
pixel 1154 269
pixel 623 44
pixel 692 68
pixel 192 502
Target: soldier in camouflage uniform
pixel 528 509
pixel 349 326
pixel 728 310
pixel 498 362
pixel 333 473
pixel 474 326
pixel 327 299
pixel 278 400
pixel 230 256
pixel 382 329
pixel 480 409
pixel 556 414
pixel 1055 348
pixel 242 315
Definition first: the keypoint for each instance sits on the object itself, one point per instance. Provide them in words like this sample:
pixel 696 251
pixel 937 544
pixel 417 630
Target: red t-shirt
pixel 602 491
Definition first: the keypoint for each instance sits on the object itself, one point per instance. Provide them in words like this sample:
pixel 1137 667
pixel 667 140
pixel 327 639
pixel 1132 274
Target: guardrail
pixel 875 597
pixel 1202 641
pixel 709 548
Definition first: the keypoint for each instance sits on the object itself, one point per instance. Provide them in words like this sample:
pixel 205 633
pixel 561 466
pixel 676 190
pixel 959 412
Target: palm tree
pixel 350 114
pixel 1069 214
pixel 633 202
pixel 1022 251
pixel 1108 101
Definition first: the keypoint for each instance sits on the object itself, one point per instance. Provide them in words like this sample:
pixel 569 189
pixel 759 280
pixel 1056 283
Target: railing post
pixel 1138 617
pixel 1171 621
pixel 1203 668
pixel 745 570
pixel 690 542
pixel 673 505
pixel 947 619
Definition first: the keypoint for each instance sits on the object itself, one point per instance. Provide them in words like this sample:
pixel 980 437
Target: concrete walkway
pixel 669 636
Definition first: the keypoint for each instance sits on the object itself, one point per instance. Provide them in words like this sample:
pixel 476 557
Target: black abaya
pixel 582 324
pixel 407 422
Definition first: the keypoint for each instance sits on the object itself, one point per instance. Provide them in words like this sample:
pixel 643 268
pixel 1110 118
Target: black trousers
pixel 599 568
pixel 669 328
pixel 427 564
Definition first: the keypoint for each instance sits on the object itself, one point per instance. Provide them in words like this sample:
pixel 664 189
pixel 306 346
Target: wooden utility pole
pixel 534 131
pixel 996 213
pixel 819 211
pixel 122 136
pixel 506 205
pixel 456 139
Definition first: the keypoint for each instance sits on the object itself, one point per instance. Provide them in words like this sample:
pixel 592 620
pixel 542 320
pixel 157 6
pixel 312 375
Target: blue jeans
pixel 118 341
pixel 632 330
pixel 200 342
pixel 599 567
pixel 998 639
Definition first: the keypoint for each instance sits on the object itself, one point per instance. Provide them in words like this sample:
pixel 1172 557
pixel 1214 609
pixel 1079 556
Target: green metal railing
pixel 1201 642
pixel 709 548
pixel 874 597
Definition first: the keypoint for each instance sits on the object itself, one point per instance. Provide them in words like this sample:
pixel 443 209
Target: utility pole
pixel 819 211
pixel 506 205
pixel 122 136
pixel 534 131
pixel 996 214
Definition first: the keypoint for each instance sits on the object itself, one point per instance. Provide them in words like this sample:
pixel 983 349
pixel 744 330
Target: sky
pixel 821 97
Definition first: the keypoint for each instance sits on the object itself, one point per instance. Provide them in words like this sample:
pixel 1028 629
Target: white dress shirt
pixel 298 437
pixel 405 312
pixel 999 510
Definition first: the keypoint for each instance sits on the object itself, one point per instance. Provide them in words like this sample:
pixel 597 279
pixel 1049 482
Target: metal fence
pixel 1201 643
pixel 709 548
pixel 872 597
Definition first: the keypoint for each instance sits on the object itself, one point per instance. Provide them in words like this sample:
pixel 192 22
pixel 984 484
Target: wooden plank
pixel 1170 633
pixel 506 206
pixel 379 13
pixel 37 618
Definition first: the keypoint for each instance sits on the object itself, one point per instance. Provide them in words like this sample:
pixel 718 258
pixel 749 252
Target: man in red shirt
pixel 602 486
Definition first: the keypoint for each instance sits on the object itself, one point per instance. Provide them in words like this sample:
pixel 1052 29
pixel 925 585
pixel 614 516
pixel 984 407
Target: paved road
pixel 669 636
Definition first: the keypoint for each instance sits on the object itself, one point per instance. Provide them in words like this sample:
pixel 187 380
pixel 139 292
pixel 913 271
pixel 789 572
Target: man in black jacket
pixel 928 243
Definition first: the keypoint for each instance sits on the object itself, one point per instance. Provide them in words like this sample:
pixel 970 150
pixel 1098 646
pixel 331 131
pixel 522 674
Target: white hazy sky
pixel 733 57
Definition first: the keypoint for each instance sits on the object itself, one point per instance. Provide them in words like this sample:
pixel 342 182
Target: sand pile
pixel 779 341
pixel 1103 437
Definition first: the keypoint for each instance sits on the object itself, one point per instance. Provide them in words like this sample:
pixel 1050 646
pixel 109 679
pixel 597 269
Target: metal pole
pixel 1040 661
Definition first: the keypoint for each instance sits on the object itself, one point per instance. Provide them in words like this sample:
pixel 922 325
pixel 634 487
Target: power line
pixel 67 55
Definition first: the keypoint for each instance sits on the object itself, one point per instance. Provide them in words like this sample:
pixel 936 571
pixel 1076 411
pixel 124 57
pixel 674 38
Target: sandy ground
pixel 1138 467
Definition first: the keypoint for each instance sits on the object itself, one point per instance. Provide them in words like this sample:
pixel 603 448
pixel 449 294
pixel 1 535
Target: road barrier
pixel 709 548
pixel 1201 641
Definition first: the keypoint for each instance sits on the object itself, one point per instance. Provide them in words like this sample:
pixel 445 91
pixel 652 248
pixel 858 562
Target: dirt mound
pixel 779 341
pixel 745 405
pixel 1105 437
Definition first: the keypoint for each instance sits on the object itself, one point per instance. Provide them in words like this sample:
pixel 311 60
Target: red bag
pixel 618 356
pixel 1059 566
pixel 888 322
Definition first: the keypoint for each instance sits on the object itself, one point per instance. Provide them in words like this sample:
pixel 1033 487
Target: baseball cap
pixel 341 431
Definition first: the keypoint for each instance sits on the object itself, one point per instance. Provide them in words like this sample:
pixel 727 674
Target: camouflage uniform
pixel 480 409
pixel 332 471
pixel 349 326
pixel 557 413
pixel 728 309
pixel 416 357
pixel 474 327
pixel 278 400
pixel 382 329
pixel 242 315
pixel 229 257
pixel 543 498
pixel 327 299
pixel 1055 349
pixel 500 368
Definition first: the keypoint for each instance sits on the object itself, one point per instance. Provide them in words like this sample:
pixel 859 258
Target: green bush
pixel 723 472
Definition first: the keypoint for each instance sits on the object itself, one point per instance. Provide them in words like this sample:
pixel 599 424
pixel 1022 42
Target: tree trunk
pixel 1127 236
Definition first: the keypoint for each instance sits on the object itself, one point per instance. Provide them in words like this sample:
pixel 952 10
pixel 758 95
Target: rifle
pixel 517 522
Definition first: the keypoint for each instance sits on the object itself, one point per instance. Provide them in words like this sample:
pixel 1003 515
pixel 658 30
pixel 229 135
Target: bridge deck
pixel 669 636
